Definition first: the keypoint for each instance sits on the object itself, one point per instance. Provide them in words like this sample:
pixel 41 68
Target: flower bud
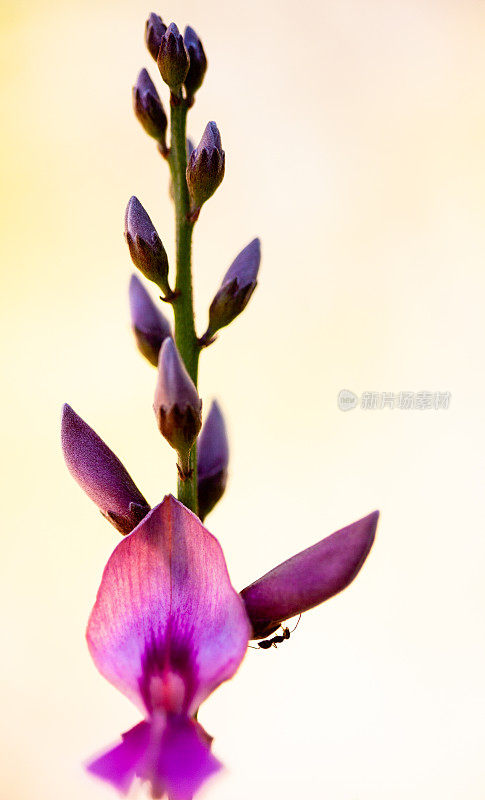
pixel 205 169
pixel 154 31
pixel 310 577
pixel 148 107
pixel 177 405
pixel 237 286
pixel 101 474
pixel 173 59
pixel 150 327
pixel 198 62
pixel 146 249
pixel 212 461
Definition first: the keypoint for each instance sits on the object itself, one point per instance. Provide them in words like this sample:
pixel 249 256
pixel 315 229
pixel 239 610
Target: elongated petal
pixel 167 627
pixel 100 473
pixel 309 578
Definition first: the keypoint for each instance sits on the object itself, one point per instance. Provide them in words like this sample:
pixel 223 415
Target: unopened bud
pixel 146 249
pixel 205 169
pixel 198 61
pixel 177 405
pixel 154 31
pixel 212 461
pixel 150 327
pixel 148 107
pixel 101 474
pixel 173 59
pixel 236 288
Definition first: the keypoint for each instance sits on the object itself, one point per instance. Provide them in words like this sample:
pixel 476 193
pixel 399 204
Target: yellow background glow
pixel 354 134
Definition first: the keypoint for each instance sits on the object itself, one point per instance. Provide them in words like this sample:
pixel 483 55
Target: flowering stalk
pixel 183 309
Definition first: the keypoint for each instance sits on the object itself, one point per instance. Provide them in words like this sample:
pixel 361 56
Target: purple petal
pixel 167 626
pixel 172 752
pixel 150 327
pixel 309 578
pixel 121 764
pixel 100 473
pixel 185 760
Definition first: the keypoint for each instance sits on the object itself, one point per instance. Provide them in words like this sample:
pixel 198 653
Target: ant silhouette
pixel 267 643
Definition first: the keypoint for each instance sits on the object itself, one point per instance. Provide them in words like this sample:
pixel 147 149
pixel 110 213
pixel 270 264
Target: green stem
pixel 185 336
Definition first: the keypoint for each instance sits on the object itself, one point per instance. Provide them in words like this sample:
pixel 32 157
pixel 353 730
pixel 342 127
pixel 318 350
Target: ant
pixel 267 643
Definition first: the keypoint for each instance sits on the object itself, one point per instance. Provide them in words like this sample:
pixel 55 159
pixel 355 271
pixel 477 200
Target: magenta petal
pixel 167 626
pixel 185 760
pixel 309 578
pixel 122 763
pixel 100 473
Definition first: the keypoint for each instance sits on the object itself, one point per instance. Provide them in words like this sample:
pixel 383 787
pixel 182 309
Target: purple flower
pixel 206 166
pixel 177 405
pixel 150 327
pixel 101 474
pixel 309 578
pixel 212 461
pixel 198 62
pixel 148 107
pixel 236 288
pixel 167 629
pixel 154 30
pixel 173 59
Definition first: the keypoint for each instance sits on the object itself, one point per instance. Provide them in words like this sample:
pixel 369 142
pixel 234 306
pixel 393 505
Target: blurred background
pixel 354 136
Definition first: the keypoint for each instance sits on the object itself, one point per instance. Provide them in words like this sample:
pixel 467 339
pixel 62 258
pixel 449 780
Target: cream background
pixel 354 135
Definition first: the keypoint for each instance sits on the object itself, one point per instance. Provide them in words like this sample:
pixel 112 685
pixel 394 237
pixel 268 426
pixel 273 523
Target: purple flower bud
pixel 173 59
pixel 148 107
pixel 177 405
pixel 150 327
pixel 236 288
pixel 154 31
pixel 212 461
pixel 205 169
pixel 101 474
pixel 146 249
pixel 198 61
pixel 309 578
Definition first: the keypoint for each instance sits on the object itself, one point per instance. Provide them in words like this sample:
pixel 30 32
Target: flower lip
pixel 310 577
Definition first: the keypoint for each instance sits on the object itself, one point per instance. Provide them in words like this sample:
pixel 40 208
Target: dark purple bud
pixel 177 405
pixel 212 461
pixel 173 59
pixel 101 474
pixel 146 249
pixel 148 107
pixel 198 61
pixel 205 169
pixel 309 578
pixel 150 327
pixel 236 288
pixel 154 31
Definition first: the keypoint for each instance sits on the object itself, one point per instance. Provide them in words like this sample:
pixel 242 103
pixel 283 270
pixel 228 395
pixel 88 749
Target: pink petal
pixel 167 626
pixel 309 578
